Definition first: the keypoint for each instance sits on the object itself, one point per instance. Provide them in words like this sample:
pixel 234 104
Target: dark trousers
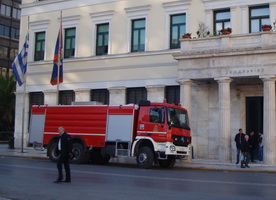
pixel 238 155
pixel 261 153
pixel 65 161
pixel 251 152
pixel 246 159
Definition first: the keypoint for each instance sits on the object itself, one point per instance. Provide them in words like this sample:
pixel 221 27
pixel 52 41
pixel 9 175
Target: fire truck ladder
pixel 122 148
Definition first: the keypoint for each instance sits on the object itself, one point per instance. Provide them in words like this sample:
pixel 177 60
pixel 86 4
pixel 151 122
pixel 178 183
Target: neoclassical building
pixel 120 51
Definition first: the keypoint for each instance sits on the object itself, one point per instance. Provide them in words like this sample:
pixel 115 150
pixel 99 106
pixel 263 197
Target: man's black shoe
pixel 237 163
pixel 242 166
pixel 253 161
pixel 247 166
pixel 67 181
pixel 57 181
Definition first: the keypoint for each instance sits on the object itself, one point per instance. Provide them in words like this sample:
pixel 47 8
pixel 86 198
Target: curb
pixel 176 167
pixel 20 156
pixel 227 170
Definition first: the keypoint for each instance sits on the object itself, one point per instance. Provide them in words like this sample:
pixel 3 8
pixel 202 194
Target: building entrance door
pixel 254 114
pixel 254 119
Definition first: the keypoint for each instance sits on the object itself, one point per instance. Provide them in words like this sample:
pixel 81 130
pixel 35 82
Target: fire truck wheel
pixel 168 163
pixel 145 157
pixel 53 153
pixel 80 157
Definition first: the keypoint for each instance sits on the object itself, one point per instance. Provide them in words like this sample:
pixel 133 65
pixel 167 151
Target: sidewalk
pixel 196 164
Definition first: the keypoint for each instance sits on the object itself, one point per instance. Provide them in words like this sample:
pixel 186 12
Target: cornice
pixel 138 9
pixel 176 3
pixel 39 23
pixel 215 4
pixel 97 58
pixel 70 18
pixel 41 3
pixel 56 5
pixel 102 14
pixel 224 53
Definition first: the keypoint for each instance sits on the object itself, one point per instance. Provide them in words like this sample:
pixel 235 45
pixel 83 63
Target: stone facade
pixel 216 75
pixel 225 70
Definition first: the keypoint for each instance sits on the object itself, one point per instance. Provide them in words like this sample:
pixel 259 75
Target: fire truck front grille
pixel 181 140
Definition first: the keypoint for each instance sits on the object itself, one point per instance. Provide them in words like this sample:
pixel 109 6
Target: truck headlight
pixel 172 148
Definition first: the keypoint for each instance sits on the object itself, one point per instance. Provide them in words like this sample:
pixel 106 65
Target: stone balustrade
pixel 263 40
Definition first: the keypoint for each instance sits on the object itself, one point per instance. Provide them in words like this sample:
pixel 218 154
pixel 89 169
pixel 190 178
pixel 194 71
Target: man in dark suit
pixel 252 145
pixel 238 139
pixel 64 147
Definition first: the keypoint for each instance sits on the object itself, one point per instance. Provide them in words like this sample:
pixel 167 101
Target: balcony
pixel 246 55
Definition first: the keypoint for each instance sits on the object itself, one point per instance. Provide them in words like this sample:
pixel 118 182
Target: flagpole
pixel 59 54
pixel 23 116
pixel 24 102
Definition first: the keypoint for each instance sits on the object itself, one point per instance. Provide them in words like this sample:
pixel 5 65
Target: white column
pixel 272 7
pixel 50 97
pixel 233 18
pixel 185 94
pixel 209 19
pixel 82 95
pixel 245 19
pixel 18 120
pixel 156 93
pixel 117 96
pixel 224 119
pixel 269 120
pixel 185 101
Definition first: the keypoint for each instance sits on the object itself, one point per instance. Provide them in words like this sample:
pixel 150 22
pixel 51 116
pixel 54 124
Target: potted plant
pixel 266 27
pixel 226 31
pixel 203 30
pixel 186 35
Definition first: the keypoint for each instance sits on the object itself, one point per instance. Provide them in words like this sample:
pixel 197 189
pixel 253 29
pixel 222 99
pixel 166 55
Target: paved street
pixel 22 178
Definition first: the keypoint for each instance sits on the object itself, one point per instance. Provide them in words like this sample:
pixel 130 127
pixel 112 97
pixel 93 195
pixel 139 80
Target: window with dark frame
pixel 36 98
pixel 258 16
pixel 138 31
pixel 177 29
pixel 6 10
pixel 100 95
pixel 172 94
pixel 13 53
pixel 134 95
pixel 66 97
pixel 102 39
pixel 4 52
pixel 15 33
pixel 39 46
pixel 5 30
pixel 16 13
pixel 221 20
pixel 69 42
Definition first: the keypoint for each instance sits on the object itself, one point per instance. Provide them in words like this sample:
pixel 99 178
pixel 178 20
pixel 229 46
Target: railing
pixel 237 42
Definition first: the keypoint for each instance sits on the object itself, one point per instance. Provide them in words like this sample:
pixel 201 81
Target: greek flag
pixel 19 65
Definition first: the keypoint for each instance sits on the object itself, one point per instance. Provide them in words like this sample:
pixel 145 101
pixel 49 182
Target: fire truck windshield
pixel 178 118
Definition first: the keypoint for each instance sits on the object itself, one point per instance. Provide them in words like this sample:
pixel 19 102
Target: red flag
pixel 58 59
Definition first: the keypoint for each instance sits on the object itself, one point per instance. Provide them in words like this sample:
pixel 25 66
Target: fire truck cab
pixel 151 132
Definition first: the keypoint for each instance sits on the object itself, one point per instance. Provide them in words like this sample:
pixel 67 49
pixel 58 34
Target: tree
pixel 7 101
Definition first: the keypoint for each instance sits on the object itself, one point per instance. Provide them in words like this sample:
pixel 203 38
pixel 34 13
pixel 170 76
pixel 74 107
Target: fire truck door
pixel 155 125
pixel 37 128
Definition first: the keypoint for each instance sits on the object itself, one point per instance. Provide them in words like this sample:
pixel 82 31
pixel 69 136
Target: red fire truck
pixel 151 132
